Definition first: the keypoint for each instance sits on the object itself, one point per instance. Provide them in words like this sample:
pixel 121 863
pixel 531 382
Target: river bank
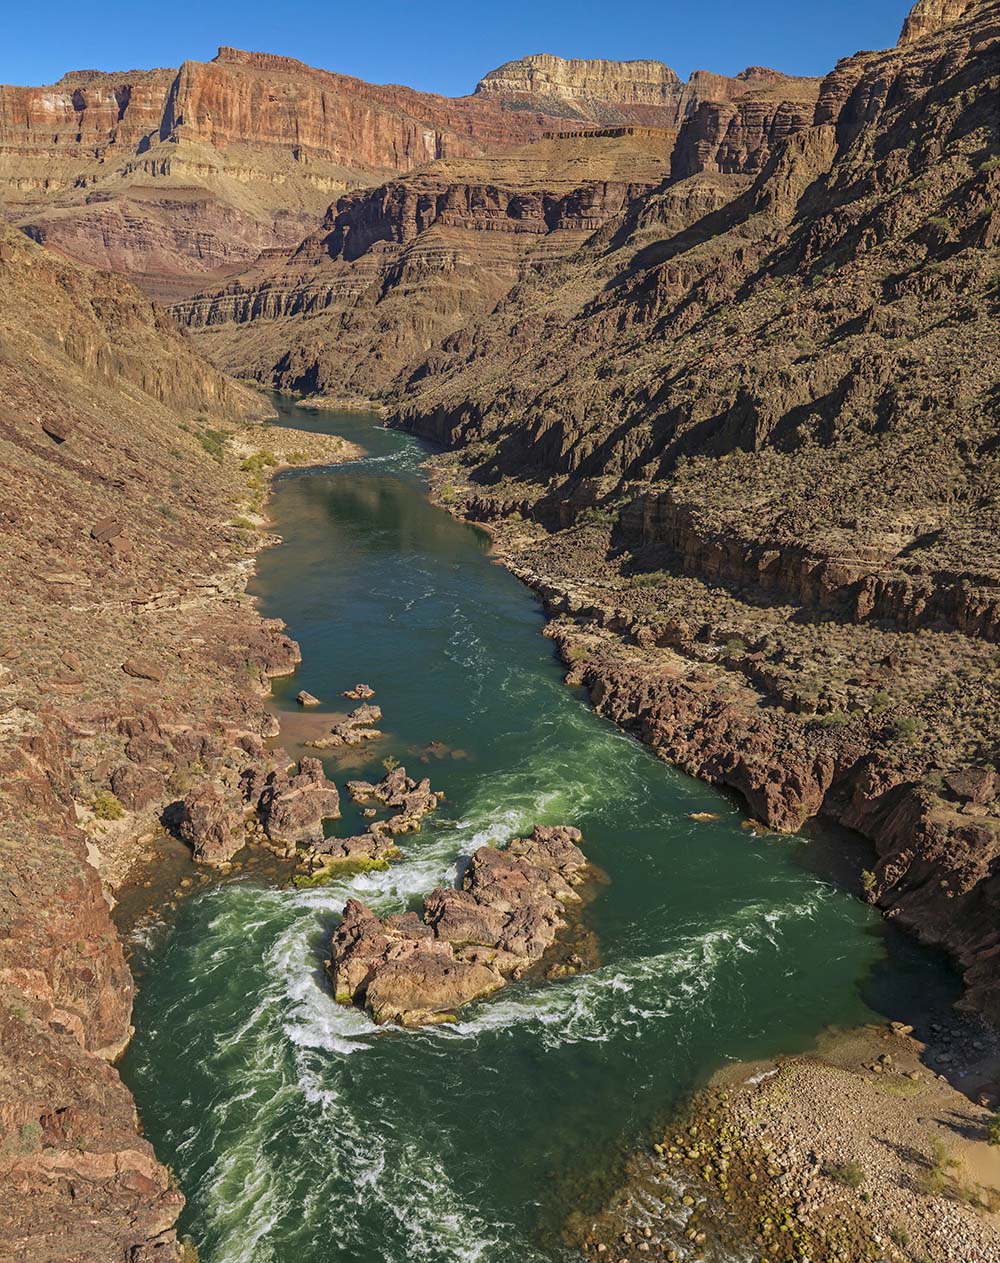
pixel 133 664
pixel 716 676
pixel 857 1152
pixel 311 1108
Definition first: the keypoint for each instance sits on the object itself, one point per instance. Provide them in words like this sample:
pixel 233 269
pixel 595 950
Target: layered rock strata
pixel 169 175
pixel 501 922
pixel 174 177
pixel 394 270
pixel 757 456
pixel 645 92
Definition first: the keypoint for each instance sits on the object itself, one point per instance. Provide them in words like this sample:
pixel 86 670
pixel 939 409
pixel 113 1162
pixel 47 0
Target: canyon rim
pixel 714 363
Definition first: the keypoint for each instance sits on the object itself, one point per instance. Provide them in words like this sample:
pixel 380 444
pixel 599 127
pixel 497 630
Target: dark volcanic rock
pixel 137 787
pixel 470 941
pixel 293 807
pixel 212 822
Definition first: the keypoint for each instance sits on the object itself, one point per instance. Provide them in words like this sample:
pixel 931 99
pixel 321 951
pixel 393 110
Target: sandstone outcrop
pixel 470 941
pixel 643 92
pixel 928 17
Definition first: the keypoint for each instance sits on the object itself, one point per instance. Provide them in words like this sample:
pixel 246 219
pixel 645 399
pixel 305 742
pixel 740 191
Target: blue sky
pixel 443 45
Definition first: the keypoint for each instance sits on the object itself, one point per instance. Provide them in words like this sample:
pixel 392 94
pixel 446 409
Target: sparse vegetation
pixel 905 728
pixel 213 442
pixel 834 719
pixel 257 463
pixel 849 1173
pixel 596 517
pixel 106 806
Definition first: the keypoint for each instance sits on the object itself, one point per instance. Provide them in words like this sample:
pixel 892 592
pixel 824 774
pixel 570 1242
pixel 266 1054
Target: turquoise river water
pixel 301 1133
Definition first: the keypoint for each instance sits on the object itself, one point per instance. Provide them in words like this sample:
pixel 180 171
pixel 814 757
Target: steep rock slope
pixel 108 499
pixel 394 270
pixel 776 431
pixel 173 173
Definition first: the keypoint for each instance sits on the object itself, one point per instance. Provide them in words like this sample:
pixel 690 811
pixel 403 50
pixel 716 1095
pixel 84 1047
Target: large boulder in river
pixel 399 971
pixel 470 941
pixel 352 731
pixel 293 807
pixel 212 821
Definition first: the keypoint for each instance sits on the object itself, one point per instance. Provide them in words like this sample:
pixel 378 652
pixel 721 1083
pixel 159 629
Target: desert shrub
pixel 934 1180
pixel 213 442
pixel 106 806
pixel 257 463
pixel 993 1129
pixel 905 728
pixel 834 719
pixel 849 1173
pixel 596 517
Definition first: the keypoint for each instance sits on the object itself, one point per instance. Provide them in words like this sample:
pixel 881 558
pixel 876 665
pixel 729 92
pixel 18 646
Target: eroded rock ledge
pixel 470 942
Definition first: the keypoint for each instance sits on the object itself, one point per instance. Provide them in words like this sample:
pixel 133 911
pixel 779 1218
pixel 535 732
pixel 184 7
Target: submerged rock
pixel 470 942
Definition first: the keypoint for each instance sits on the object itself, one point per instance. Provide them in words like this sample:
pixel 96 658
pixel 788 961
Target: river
pixel 301 1133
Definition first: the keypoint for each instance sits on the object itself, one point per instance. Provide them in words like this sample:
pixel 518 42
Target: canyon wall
pixel 758 449
pixel 111 508
pixel 179 177
pixel 612 92
pixel 167 175
pixel 396 269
